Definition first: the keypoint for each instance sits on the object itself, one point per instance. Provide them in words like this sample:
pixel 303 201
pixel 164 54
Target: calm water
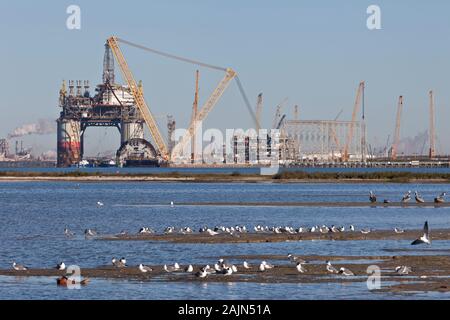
pixel 34 214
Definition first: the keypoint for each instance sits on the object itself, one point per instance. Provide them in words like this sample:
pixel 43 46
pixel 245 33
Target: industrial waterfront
pixel 294 151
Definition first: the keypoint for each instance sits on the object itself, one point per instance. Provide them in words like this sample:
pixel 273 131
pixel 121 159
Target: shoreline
pixel 214 179
pixel 197 238
pixel 428 272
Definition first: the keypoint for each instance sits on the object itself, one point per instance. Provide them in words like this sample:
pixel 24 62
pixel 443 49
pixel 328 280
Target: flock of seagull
pixel 236 230
pixel 407 198
pixel 221 267
pixel 224 268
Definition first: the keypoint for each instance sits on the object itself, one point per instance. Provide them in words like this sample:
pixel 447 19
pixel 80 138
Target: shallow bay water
pixel 33 216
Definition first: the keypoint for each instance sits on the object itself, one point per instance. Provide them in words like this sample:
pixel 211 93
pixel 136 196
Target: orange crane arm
pixel 397 128
pixel 204 111
pixel 352 124
pixel 139 98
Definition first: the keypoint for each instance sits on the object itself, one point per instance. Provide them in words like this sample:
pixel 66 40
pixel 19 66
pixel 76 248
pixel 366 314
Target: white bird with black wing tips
pixel 145 269
pixel 425 238
pixel 19 267
pixel 330 268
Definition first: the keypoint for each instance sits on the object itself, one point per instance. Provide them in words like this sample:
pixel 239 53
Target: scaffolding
pixel 322 140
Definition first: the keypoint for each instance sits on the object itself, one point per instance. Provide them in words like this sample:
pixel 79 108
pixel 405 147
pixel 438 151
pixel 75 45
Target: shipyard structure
pixel 112 105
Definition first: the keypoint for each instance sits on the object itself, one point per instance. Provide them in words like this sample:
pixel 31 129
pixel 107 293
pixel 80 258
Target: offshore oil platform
pixel 112 105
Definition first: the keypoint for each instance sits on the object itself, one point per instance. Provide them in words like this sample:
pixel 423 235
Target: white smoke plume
pixel 43 126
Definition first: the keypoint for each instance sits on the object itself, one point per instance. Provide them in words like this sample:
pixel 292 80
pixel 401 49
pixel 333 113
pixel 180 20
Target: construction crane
pixel 432 152
pixel 397 129
pixel 296 112
pixel 204 111
pixel 144 109
pixel 278 115
pixel 230 74
pixel 333 132
pixel 259 106
pixel 359 94
pixel 194 116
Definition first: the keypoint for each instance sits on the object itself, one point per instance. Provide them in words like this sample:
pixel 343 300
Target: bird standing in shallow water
pixel 145 269
pixel 407 197
pixel 441 197
pixel 418 198
pixel 300 268
pixel 372 197
pixel 346 272
pixel 19 267
pixel 330 268
pixel 403 270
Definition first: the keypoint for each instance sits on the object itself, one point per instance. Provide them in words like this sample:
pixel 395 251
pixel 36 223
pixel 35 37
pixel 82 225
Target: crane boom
pixel 397 128
pixel 259 106
pixel 139 98
pixel 432 152
pixel 352 124
pixel 204 111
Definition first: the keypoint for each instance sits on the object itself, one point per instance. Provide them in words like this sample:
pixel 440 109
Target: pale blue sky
pixel 314 52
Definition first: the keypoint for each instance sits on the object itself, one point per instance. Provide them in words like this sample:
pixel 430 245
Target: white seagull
pixel 171 204
pixel 61 266
pixel 425 238
pixel 346 272
pixel 189 268
pixel 300 268
pixel 246 265
pixel 406 197
pixel 19 267
pixel 403 270
pixel 68 233
pixel 372 197
pixel 100 204
pixel 418 198
pixel 296 259
pixel 398 230
pixel 145 269
pixel 202 273
pixel 262 267
pixel 330 268
pixel 441 197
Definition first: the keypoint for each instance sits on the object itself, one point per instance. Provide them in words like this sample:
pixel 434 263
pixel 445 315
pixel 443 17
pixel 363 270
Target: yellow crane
pixel 137 93
pixel 230 74
pixel 397 128
pixel 359 94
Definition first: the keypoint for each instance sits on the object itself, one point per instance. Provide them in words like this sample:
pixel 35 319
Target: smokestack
pixel 86 88
pixel 78 88
pixel 71 87
pixel 108 65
